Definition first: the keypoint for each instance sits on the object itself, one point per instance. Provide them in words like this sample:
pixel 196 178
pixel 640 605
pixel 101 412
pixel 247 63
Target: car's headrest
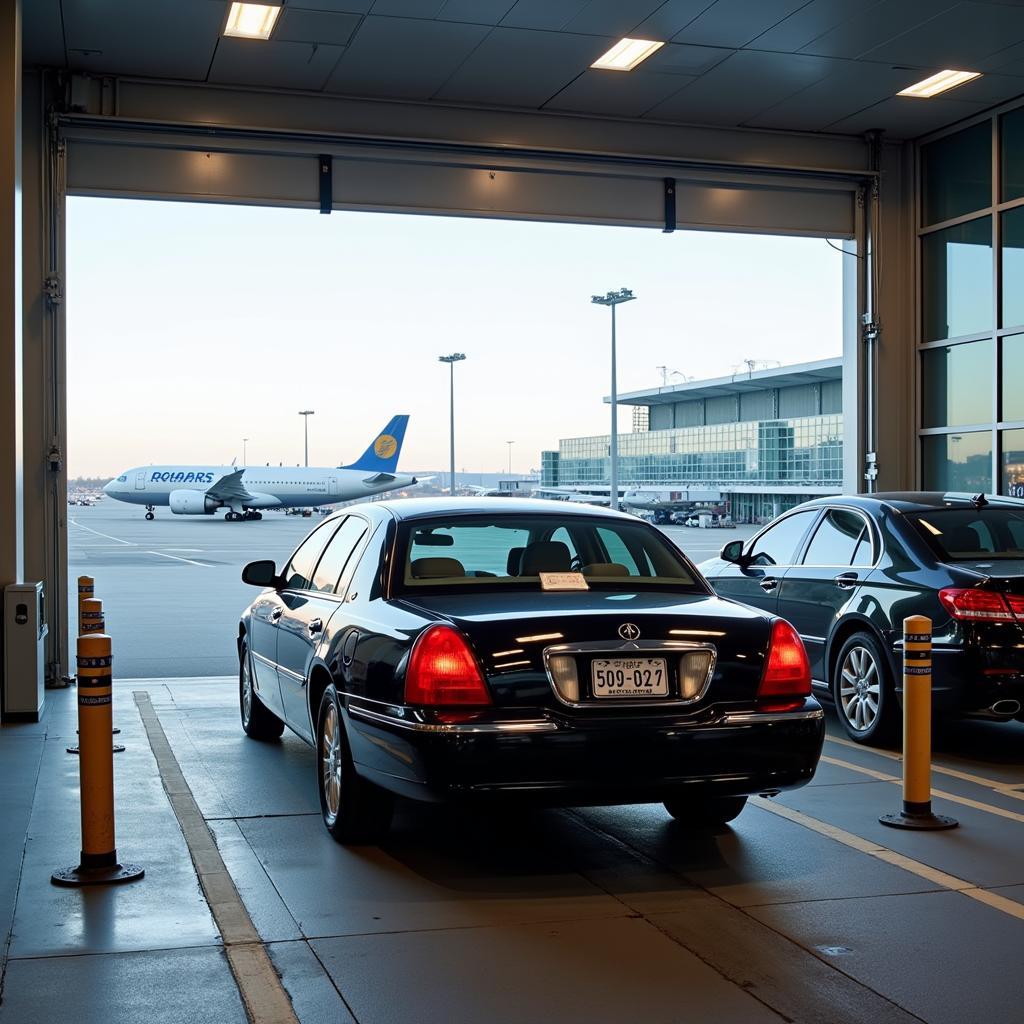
pixel 545 556
pixel 962 538
pixel 515 560
pixel 436 568
pixel 605 569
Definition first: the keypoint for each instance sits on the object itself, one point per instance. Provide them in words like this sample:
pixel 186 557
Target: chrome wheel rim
pixel 859 689
pixel 330 762
pixel 246 689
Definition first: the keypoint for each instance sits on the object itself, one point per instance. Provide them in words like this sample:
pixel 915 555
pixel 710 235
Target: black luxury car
pixel 847 571
pixel 486 649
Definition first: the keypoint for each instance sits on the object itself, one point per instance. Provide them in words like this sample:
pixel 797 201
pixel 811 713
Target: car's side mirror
pixel 733 552
pixel 261 574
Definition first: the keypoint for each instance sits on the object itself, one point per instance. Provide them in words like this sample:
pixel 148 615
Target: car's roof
pixel 418 508
pixel 916 501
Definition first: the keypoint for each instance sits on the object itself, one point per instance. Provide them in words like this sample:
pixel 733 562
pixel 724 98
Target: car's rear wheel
pixel 863 691
pixel 354 810
pixel 707 812
pixel 258 721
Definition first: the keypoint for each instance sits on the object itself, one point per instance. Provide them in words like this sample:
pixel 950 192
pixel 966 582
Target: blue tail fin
pixel 382 455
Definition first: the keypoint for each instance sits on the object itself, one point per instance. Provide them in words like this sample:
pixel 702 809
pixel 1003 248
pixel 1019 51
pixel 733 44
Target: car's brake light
pixel 1016 603
pixel 786 680
pixel 443 671
pixel 975 605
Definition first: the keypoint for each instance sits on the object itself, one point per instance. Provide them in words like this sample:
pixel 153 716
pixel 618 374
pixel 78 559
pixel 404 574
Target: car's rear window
pixel 967 534
pixel 511 550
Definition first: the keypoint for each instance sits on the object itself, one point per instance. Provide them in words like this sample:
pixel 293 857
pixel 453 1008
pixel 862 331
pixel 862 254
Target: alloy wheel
pixel 330 761
pixel 859 688
pixel 246 689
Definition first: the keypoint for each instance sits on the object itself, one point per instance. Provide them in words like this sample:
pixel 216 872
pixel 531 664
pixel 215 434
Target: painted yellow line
pixel 1006 788
pixel 1002 812
pixel 914 867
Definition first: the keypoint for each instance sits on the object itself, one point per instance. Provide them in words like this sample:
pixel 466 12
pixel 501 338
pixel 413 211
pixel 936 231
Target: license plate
pixel 629 677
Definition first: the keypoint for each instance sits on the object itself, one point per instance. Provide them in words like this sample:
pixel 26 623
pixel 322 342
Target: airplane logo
pixel 385 446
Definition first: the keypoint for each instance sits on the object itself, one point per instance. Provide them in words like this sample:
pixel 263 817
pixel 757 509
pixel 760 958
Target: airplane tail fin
pixel 382 455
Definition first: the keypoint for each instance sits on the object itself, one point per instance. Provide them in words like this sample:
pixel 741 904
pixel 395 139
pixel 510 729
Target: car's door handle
pixel 315 626
pixel 768 583
pixel 276 614
pixel 845 580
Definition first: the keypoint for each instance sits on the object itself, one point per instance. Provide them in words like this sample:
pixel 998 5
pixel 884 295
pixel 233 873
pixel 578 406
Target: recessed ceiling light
pixel 942 82
pixel 251 21
pixel 626 54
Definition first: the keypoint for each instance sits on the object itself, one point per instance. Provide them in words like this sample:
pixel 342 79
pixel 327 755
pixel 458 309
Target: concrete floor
pixel 588 915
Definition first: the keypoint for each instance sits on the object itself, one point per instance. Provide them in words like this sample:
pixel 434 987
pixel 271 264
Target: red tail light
pixel 786 680
pixel 1016 603
pixel 977 605
pixel 443 671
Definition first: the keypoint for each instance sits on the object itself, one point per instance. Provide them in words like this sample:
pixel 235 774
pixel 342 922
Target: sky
pixel 192 326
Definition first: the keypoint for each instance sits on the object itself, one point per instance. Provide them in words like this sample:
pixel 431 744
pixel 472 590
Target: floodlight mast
pixel 305 414
pixel 451 360
pixel 612 299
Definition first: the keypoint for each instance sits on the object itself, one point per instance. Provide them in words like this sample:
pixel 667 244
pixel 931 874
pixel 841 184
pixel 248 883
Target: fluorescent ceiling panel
pixel 626 54
pixel 941 82
pixel 251 21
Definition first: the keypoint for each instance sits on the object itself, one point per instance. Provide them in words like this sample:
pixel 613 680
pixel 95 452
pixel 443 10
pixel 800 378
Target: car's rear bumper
pixel 550 759
pixel 972 680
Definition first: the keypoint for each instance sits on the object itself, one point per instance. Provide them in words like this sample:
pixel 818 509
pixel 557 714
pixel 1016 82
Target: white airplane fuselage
pixel 267 486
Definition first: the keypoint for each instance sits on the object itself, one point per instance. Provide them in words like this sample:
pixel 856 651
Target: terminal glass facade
pixel 972 308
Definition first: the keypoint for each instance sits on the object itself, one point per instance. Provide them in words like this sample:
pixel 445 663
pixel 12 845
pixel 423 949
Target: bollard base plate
pixel 78 876
pixel 116 875
pixel 919 822
pixel 118 748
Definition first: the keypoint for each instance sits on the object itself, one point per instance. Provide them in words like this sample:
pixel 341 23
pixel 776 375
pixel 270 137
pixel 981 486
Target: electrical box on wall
pixel 25 632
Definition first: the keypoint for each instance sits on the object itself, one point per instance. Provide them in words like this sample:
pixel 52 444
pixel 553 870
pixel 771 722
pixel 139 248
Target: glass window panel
pixel 1012 128
pixel 338 552
pixel 1012 384
pixel 1012 468
pixel 956 174
pixel 300 569
pixel 835 539
pixel 957 384
pixel 778 545
pixel 957 280
pixel 958 462
pixel 1012 312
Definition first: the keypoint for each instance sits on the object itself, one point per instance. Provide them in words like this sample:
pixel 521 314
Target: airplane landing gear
pixel 149 513
pixel 234 517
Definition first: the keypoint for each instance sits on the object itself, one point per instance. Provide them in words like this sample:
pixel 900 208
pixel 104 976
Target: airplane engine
pixel 192 503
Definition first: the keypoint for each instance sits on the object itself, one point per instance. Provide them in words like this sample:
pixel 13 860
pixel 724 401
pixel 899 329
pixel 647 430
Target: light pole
pixel 245 441
pixel 305 414
pixel 613 299
pixel 510 443
pixel 455 357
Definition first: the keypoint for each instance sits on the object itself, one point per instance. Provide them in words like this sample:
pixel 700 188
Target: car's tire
pixel 353 809
pixel 258 722
pixel 705 813
pixel 863 691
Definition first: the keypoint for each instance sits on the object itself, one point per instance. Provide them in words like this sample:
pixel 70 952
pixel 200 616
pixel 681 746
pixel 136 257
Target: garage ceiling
pixel 809 65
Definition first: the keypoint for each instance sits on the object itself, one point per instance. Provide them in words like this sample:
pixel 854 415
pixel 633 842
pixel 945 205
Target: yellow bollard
pixel 86 590
pixel 98 863
pixel 917 731
pixel 90 616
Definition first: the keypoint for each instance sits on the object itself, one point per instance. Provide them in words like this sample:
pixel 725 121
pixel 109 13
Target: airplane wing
pixel 229 488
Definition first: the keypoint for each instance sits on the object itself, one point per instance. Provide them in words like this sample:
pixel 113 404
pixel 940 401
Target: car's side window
pixel 562 535
pixel 339 551
pixel 618 552
pixel 837 539
pixel 864 554
pixel 299 572
pixel 779 543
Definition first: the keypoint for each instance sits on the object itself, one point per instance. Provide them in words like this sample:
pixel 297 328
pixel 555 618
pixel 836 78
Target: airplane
pixel 243 491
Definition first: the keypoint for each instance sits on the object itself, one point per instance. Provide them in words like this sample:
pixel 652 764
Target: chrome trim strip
pixel 760 718
pixel 524 725
pixel 664 647
pixel 294 675
pixel 266 661
pixel 815 639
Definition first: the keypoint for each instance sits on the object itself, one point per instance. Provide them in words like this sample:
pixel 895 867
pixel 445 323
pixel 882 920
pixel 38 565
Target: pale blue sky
pixel 191 326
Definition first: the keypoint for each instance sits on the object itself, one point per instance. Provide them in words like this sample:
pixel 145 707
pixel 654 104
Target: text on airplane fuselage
pixel 181 477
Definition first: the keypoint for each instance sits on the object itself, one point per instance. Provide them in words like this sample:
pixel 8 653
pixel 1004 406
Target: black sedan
pixel 847 571
pixel 519 650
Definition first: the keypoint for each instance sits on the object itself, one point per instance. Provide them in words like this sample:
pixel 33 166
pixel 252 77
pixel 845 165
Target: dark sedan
pixel 847 571
pixel 519 650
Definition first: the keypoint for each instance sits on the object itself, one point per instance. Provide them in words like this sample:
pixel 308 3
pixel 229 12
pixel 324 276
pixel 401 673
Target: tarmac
pixel 172 590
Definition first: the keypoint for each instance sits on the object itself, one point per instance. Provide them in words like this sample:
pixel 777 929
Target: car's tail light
pixel 976 605
pixel 1016 603
pixel 786 680
pixel 443 670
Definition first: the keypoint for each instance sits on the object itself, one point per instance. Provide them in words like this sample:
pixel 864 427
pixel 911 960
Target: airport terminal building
pixel 757 443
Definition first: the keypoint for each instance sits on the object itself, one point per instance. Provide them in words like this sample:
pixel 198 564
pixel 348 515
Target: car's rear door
pixel 812 594
pixel 766 561
pixel 307 610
